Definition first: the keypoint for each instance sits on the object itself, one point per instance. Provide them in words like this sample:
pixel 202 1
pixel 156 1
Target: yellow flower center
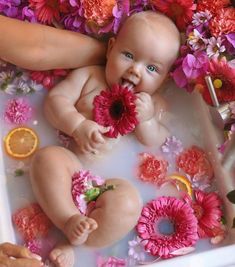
pixel 217 83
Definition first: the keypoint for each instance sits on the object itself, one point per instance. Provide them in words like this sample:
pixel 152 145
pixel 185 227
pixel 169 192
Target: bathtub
pixel 199 123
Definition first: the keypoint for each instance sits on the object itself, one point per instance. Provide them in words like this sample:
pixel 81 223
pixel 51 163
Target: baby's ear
pixel 110 46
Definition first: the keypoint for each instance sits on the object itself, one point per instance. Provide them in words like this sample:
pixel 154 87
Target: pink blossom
pixel 172 145
pixel 167 224
pixel 136 250
pixel 18 111
pixel 110 262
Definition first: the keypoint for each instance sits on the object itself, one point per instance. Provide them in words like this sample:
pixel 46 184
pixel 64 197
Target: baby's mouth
pixel 128 84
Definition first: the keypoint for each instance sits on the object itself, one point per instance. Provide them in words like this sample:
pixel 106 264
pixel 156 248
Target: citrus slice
pixel 182 182
pixel 21 142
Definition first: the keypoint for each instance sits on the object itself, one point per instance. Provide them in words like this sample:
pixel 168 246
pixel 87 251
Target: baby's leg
pixel 116 213
pixel 51 177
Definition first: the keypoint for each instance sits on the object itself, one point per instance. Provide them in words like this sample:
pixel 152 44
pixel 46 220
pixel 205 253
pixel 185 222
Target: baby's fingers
pixel 97 138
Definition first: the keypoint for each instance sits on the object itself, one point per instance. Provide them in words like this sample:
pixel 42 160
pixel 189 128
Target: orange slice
pixel 182 183
pixel 21 142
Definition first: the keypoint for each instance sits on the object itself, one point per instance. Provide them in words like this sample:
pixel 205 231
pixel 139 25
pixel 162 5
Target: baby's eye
pixel 128 55
pixel 152 68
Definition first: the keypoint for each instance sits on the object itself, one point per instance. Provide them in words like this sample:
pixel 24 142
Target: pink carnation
pixel 18 111
pixel 194 162
pixel 152 169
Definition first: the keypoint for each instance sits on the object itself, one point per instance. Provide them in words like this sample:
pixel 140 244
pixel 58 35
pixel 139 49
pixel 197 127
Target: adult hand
pixel 18 256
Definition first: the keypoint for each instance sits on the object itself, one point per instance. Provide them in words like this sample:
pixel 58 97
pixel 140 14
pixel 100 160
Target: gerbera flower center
pixel 176 9
pixel 117 109
pixel 52 3
pixel 198 211
pixel 165 226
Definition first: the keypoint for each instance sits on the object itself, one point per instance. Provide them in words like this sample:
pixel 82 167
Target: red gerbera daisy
pixel 115 108
pixel 207 209
pixel 223 78
pixel 48 10
pixel 152 169
pixel 181 11
pixel 167 224
pixel 223 22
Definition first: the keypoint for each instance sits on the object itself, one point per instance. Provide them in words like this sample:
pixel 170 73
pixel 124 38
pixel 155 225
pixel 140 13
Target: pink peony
pixel 115 109
pixel 152 169
pixel 207 209
pixel 194 162
pixel 167 224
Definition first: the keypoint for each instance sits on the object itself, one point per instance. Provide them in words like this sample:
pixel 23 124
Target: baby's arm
pixel 40 47
pixel 150 131
pixel 61 112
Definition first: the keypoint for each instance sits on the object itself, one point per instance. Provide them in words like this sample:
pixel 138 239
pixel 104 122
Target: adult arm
pixel 40 47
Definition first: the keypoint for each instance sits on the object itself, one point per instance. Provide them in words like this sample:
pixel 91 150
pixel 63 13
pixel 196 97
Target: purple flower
pixel 229 43
pixel 215 47
pixel 136 251
pixel 172 145
pixel 195 65
pixel 10 7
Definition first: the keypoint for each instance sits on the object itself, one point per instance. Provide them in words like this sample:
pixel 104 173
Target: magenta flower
pixel 115 108
pixel 167 224
pixel 18 111
pixel 110 262
pixel 207 209
pixel 195 65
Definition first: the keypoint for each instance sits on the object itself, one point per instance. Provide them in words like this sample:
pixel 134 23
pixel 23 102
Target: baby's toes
pixel 55 254
pixel 93 224
pixel 61 260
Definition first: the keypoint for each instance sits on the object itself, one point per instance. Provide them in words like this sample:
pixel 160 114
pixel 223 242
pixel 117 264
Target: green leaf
pixel 19 172
pixel 92 194
pixel 231 196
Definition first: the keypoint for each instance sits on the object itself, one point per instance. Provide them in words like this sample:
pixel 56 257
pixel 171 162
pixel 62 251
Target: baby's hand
pixel 144 107
pixel 89 136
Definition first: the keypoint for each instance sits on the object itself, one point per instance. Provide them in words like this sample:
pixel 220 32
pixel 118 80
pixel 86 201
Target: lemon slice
pixel 182 183
pixel 21 142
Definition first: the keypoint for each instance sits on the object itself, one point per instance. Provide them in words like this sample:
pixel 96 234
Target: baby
pixel 139 58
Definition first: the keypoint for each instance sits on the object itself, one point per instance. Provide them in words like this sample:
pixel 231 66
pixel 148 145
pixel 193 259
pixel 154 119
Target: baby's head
pixel 143 51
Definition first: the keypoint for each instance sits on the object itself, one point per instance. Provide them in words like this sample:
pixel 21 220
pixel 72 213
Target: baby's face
pixel 140 57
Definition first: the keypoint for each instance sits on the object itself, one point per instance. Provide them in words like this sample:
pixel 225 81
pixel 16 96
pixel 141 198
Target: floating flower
pixel 116 109
pixel 31 222
pixel 207 209
pixel 136 250
pixel 196 40
pixel 201 18
pixel 152 169
pixel 213 6
pixel 47 78
pixel 194 162
pixel 181 11
pixel 111 262
pixel 18 111
pixel 98 11
pixel 215 47
pixel 167 224
pixel 172 146
pixel 223 22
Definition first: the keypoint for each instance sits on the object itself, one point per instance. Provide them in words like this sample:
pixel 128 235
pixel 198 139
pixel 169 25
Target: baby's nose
pixel 134 71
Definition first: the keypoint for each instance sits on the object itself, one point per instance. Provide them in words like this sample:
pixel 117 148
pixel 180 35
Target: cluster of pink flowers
pixel 170 227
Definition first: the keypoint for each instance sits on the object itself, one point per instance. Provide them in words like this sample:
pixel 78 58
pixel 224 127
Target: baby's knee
pixel 117 212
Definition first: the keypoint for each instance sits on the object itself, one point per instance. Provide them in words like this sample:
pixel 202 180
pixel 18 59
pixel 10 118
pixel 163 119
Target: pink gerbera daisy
pixel 115 109
pixel 181 11
pixel 207 209
pixel 167 224
pixel 152 169
pixel 48 10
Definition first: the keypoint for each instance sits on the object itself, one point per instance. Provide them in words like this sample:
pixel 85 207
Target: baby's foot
pixel 78 227
pixel 62 256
